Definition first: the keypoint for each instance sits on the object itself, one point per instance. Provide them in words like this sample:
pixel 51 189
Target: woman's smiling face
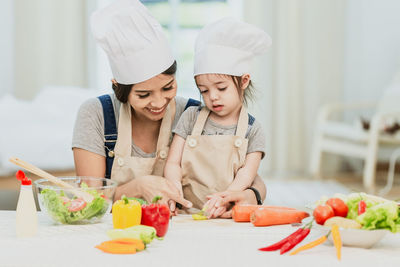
pixel 149 99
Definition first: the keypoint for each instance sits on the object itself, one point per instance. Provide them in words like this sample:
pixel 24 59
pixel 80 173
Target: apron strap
pixel 110 131
pixel 201 120
pixel 123 147
pixel 243 123
pixel 166 127
pixel 241 126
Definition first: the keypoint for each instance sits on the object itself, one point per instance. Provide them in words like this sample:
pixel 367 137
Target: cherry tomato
pixel 362 206
pixel 322 213
pixel 77 204
pixel 339 207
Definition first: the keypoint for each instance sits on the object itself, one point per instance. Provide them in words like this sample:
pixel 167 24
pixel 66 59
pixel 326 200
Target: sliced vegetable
pixel 122 246
pixel 362 206
pixel 201 215
pixel 310 245
pixel 273 216
pixel 336 240
pixel 76 204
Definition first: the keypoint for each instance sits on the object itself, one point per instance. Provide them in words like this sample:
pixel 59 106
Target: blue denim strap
pixel 192 102
pixel 110 131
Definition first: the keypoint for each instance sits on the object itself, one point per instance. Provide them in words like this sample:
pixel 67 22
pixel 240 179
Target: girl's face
pixel 149 99
pixel 220 93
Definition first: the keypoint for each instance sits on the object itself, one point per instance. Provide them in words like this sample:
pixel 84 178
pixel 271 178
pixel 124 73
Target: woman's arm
pixel 91 164
pixel 88 163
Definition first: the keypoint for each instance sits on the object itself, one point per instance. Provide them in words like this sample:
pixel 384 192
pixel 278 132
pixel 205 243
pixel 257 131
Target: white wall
pixel 6 46
pixel 50 45
pixel 372 47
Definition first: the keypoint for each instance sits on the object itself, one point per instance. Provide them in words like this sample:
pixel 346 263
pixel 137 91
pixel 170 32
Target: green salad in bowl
pixel 64 206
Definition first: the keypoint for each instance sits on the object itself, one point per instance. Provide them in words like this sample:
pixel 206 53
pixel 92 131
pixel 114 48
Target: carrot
pixel 312 244
pixel 337 240
pixel 273 216
pixel 241 213
pixel 122 246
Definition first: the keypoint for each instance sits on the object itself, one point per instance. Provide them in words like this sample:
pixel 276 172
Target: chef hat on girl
pixel 133 40
pixel 228 46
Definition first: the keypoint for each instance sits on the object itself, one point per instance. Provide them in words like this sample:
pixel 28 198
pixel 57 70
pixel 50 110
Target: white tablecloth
pixel 187 243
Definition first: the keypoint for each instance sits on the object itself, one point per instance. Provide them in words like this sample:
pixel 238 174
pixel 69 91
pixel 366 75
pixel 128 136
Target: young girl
pixel 219 147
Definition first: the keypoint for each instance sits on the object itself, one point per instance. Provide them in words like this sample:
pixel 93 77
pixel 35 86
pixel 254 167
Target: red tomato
pixel 77 204
pixel 322 213
pixel 339 207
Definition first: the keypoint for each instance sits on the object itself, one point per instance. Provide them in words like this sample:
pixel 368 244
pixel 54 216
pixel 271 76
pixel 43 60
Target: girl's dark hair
pixel 122 91
pixel 248 92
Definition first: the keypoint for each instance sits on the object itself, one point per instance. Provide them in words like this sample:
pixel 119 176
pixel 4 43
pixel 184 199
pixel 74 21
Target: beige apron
pixel 210 162
pixel 126 167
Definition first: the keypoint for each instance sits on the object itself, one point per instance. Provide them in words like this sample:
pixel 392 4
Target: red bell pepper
pixel 156 215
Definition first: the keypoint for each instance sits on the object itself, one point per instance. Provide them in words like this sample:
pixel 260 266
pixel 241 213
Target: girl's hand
pixel 236 197
pixel 213 210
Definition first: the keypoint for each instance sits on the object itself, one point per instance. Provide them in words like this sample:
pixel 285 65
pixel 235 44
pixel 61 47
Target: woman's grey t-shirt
pixel 89 126
pixel 255 134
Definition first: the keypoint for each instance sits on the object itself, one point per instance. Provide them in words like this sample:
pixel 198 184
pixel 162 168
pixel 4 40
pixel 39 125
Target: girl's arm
pixel 172 169
pixel 246 175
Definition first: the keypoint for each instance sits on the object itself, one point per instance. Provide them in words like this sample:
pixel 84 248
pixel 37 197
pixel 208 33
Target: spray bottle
pixel 26 214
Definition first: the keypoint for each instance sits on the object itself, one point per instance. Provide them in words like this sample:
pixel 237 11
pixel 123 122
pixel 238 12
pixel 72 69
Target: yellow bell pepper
pixel 126 213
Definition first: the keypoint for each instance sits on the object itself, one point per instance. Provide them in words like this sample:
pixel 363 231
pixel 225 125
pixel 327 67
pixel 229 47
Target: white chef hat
pixel 228 46
pixel 134 41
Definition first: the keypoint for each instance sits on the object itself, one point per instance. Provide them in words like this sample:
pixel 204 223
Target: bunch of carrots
pixel 267 215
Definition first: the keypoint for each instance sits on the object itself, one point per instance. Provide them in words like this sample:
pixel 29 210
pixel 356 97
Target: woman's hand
pixel 172 203
pixel 152 185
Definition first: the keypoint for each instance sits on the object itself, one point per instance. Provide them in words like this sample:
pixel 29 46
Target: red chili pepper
pixel 362 206
pixel 156 215
pixel 293 241
pixel 279 244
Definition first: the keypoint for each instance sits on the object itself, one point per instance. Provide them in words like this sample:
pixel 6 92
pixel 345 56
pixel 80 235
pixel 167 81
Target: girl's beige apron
pixel 210 162
pixel 125 166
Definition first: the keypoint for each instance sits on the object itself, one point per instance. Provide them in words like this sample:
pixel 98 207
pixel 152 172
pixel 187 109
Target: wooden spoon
pixel 33 169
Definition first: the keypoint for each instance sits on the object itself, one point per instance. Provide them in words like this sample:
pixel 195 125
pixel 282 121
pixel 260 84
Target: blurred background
pixel 323 52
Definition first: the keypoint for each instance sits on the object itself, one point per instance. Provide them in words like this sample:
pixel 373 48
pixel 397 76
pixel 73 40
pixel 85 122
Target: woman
pixel 142 111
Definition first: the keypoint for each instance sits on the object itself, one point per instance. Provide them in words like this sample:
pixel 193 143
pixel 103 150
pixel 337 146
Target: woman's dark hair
pixel 122 91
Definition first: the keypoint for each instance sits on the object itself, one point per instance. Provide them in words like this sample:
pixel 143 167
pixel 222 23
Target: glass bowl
pixel 356 237
pixel 63 206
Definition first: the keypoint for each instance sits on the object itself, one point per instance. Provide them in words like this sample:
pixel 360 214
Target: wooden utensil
pixel 33 169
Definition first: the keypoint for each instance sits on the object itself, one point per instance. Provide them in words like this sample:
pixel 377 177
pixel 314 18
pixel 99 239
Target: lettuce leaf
pixel 381 216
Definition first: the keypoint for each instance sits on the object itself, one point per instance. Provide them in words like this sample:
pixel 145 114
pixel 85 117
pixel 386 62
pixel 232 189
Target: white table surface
pixel 188 243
